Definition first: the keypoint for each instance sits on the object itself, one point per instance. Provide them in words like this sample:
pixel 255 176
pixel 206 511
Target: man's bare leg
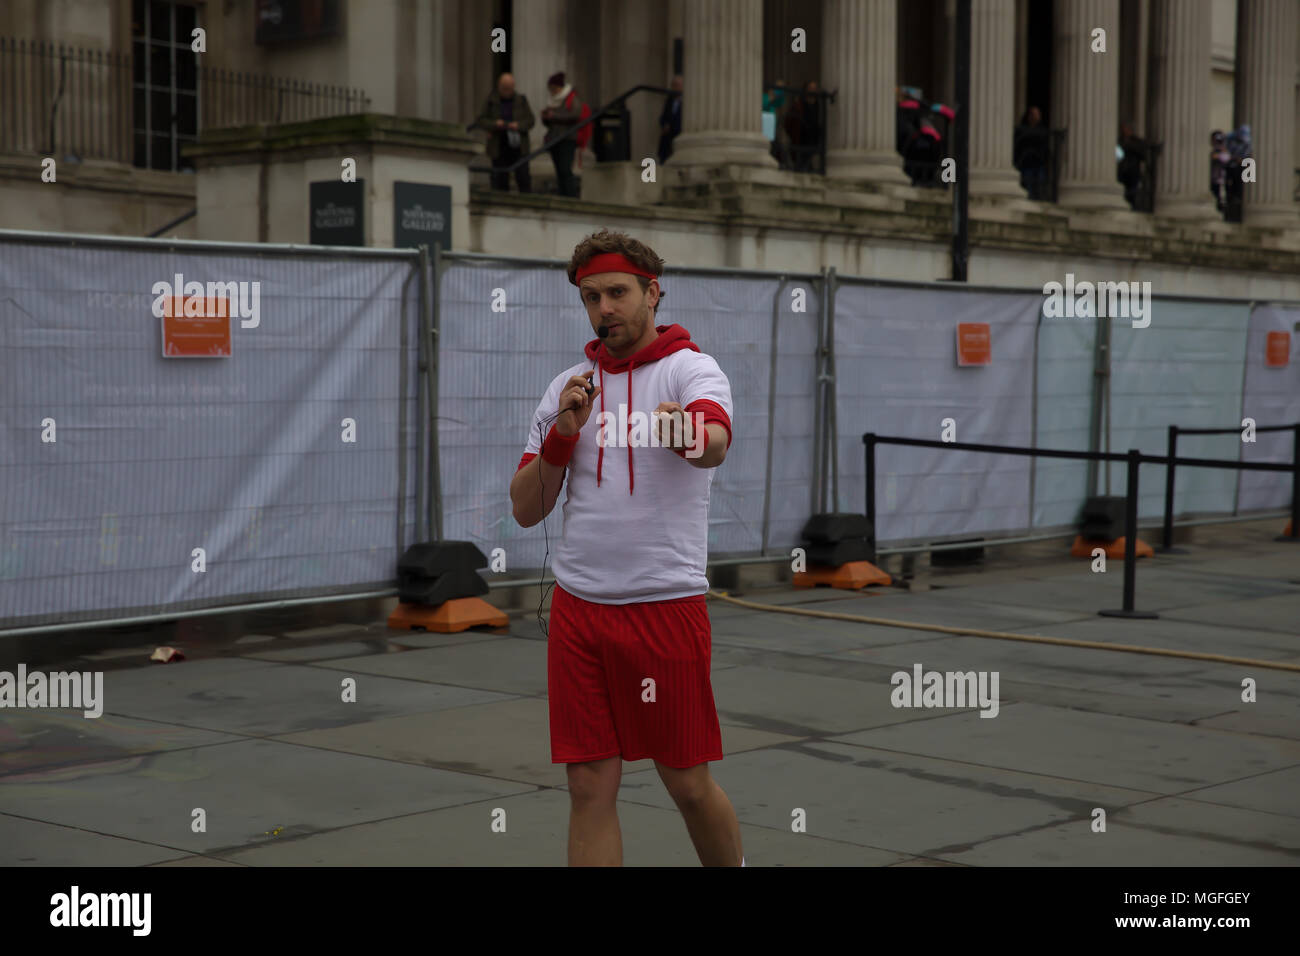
pixel 594 837
pixel 710 818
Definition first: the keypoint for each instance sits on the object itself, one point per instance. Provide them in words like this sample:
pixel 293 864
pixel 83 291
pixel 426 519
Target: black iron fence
pixel 72 103
pixel 59 101
pixel 1134 459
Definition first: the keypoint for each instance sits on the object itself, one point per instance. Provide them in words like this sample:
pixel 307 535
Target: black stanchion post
pixel 869 440
pixel 1130 542
pixel 1294 536
pixel 1167 536
pixel 1295 482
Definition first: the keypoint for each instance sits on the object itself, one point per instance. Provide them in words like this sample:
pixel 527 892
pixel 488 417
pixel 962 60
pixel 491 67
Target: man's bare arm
pixel 530 482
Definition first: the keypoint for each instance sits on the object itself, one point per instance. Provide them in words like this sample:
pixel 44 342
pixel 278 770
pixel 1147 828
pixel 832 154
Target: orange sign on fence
pixel 1277 352
pixel 974 343
pixel 196 328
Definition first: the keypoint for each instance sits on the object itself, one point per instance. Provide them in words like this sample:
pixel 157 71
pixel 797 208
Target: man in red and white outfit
pixel 629 641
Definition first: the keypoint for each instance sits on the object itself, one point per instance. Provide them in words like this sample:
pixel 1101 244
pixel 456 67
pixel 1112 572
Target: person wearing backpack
pixel 563 112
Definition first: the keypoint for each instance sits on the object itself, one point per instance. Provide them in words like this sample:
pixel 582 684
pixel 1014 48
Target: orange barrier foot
pixel 1114 549
pixel 458 614
pixel 851 576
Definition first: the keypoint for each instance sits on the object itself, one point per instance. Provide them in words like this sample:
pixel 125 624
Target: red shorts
pixel 598 658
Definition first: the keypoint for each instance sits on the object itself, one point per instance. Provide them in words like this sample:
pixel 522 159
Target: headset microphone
pixel 603 331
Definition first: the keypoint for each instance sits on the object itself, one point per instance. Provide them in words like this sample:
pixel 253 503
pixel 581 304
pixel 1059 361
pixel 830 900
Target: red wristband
pixel 557 449
pixel 704 430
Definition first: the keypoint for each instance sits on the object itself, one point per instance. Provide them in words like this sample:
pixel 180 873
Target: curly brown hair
pixel 638 253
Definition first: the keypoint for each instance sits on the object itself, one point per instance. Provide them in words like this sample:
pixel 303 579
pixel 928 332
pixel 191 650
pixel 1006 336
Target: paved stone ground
pixel 448 728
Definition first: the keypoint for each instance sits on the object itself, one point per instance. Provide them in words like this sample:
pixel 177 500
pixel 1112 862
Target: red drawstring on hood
pixel 672 338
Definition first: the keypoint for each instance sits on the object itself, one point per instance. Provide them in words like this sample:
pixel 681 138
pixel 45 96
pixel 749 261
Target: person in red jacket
pixel 563 112
pixel 629 644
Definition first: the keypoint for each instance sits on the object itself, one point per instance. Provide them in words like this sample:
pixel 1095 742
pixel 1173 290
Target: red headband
pixel 610 262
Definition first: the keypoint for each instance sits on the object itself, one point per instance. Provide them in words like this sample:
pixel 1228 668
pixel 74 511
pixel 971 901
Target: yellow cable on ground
pixel 1004 636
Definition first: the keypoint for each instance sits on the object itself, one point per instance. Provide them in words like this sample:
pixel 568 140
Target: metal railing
pixel 1134 458
pixel 1167 531
pixel 62 101
pixel 230 98
pixel 68 102
pixel 615 107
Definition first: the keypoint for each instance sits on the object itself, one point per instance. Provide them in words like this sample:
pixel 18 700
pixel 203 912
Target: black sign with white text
pixel 338 213
pixel 421 215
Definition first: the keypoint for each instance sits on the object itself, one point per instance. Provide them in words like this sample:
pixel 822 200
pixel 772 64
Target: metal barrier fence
pixel 439 362
pixel 141 485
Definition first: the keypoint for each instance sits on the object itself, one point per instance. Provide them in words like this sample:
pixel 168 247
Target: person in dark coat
pixel 804 127
pixel 1031 152
pixel 507 118
pixel 670 120
pixel 923 153
pixel 1133 168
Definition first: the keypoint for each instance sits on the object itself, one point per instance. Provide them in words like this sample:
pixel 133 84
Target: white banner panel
pixel 495 366
pixel 1066 346
pixel 897 374
pixel 118 463
pixel 1272 397
pixel 1184 369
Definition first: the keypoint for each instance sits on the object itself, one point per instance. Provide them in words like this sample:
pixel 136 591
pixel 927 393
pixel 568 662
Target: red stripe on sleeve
pixel 713 414
pixel 528 456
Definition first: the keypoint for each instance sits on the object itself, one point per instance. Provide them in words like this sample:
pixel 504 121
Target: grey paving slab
pixel 1276 792
pixel 1176 634
pixel 936 607
pixel 899 803
pixel 1100 748
pixel 536 834
pixel 1274 713
pixel 1281 565
pixel 26 842
pixel 1175 708
pixel 1156 589
pixel 422 639
pixel 1278 613
pixel 803 705
pixel 509 740
pixel 327 630
pixel 323 652
pixel 1255 722
pixel 34 739
pixel 1166 832
pixel 923 861
pixel 193 860
pixel 262 698
pixel 248 789
pixel 507 665
pixel 802 635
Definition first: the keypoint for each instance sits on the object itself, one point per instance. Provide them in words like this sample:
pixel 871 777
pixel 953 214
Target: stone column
pixel 1085 102
pixel 859 62
pixel 539 47
pixel 722 102
pixel 1266 74
pixel 992 76
pixel 1180 95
